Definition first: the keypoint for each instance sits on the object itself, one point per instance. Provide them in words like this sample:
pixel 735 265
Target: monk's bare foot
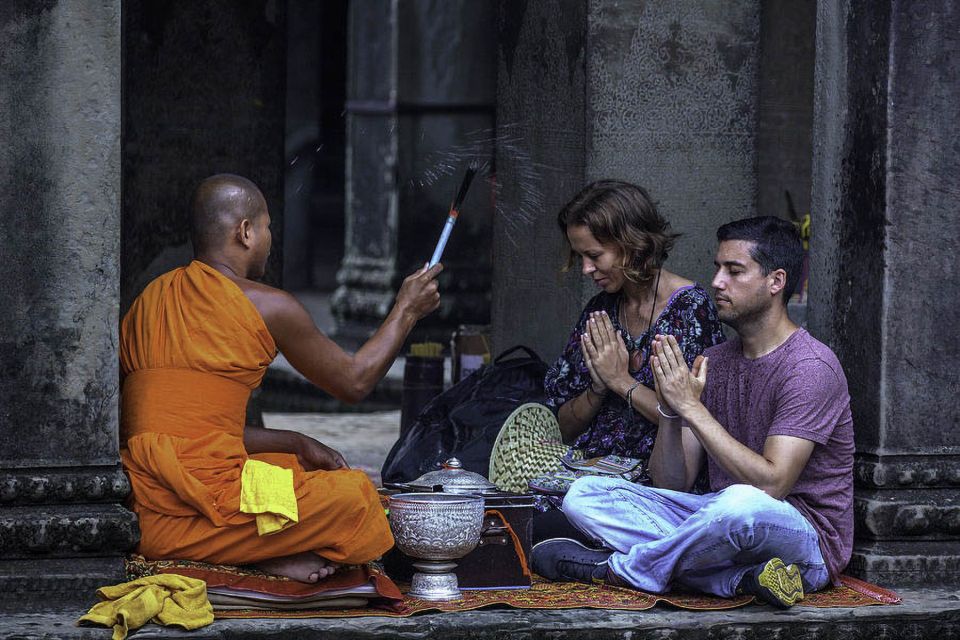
pixel 302 567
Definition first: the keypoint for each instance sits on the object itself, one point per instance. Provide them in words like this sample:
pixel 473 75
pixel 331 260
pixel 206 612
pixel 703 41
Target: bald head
pixel 220 202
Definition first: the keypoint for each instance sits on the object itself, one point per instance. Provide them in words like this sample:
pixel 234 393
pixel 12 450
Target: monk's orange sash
pixel 182 402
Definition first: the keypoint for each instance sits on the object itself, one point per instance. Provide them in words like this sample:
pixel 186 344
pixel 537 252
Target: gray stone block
pixel 541 119
pixel 61 531
pixel 60 164
pixel 63 486
pixel 44 584
pixel 886 191
pixel 66 531
pixel 907 471
pixel 925 613
pixel 907 563
pixel 918 514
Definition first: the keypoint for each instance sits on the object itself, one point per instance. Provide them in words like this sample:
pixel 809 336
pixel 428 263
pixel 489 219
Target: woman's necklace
pixel 637 357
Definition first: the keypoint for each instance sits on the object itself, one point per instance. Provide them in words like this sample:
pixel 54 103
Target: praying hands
pixel 678 387
pixel 605 353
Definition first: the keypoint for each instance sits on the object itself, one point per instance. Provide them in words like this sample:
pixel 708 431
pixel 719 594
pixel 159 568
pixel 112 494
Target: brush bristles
pixel 464 186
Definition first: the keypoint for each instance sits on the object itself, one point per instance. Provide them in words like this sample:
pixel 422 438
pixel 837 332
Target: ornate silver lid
pixel 453 478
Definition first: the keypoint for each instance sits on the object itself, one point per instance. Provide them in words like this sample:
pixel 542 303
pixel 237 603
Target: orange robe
pixel 192 347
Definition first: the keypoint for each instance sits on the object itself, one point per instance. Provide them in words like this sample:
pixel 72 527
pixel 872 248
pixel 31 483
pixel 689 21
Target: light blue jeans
pixel 704 543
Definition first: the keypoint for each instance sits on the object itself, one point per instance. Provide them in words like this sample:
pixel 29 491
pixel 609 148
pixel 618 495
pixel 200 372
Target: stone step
pixel 908 562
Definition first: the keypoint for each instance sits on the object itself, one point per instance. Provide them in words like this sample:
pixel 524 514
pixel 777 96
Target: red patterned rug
pixel 389 601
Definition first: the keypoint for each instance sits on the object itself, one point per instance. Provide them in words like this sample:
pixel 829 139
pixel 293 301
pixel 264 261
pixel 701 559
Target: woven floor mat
pixel 542 595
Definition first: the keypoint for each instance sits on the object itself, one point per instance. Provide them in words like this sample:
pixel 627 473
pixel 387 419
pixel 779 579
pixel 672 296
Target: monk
pixel 192 347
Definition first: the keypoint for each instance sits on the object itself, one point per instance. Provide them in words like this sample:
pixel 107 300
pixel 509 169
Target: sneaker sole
pixel 549 540
pixel 782 582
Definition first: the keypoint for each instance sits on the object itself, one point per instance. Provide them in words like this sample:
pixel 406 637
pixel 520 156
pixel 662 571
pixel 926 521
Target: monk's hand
pixel 420 294
pixel 607 351
pixel 316 456
pixel 675 382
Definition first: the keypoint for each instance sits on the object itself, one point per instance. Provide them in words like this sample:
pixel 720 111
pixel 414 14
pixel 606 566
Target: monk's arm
pixel 350 377
pixel 311 453
pixel 263 440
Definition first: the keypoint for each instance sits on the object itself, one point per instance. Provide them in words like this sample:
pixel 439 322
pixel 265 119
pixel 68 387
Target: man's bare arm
pixel 348 377
pixel 784 457
pixel 676 457
pixel 774 472
pixel 677 454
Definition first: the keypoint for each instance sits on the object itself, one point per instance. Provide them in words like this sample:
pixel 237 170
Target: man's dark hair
pixel 776 245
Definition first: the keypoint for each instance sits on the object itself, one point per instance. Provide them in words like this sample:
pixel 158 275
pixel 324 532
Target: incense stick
pixel 452 215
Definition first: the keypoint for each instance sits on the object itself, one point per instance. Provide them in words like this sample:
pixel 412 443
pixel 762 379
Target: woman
pixel 601 387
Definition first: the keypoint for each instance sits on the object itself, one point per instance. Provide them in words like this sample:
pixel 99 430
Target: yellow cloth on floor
pixel 166 599
pixel 267 490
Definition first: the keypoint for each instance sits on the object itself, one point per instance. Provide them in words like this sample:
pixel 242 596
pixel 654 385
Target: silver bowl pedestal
pixel 435 529
pixel 435 580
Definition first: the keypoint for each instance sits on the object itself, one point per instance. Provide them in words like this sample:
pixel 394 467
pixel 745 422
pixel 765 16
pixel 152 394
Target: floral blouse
pixel 690 316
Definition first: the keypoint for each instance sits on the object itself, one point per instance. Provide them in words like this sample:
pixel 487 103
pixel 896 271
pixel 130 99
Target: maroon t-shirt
pixel 797 390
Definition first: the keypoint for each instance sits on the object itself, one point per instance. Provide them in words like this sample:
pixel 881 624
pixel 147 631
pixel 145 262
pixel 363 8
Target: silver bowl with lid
pixel 451 478
pixel 435 529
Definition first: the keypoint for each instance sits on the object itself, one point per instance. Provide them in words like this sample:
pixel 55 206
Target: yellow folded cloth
pixel 267 490
pixel 166 598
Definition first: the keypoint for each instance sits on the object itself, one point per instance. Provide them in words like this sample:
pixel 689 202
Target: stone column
pixel 659 93
pixel 62 529
pixel 886 191
pixel 420 107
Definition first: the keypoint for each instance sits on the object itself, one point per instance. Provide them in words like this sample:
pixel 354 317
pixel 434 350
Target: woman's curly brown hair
pixel 622 214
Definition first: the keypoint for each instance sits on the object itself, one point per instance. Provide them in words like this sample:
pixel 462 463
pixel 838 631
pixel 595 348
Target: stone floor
pixel 364 439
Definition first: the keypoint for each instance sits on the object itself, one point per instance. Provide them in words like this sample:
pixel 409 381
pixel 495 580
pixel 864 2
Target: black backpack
pixel 464 420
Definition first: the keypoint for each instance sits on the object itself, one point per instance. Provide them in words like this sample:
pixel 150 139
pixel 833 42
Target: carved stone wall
pixel 62 529
pixel 886 192
pixel 541 111
pixel 661 93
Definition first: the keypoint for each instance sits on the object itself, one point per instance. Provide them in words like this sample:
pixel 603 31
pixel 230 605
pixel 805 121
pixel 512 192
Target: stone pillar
pixel 420 107
pixel 63 530
pixel 659 93
pixel 886 190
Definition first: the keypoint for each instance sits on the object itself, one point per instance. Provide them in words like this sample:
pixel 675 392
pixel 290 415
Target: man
pixel 193 346
pixel 774 425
